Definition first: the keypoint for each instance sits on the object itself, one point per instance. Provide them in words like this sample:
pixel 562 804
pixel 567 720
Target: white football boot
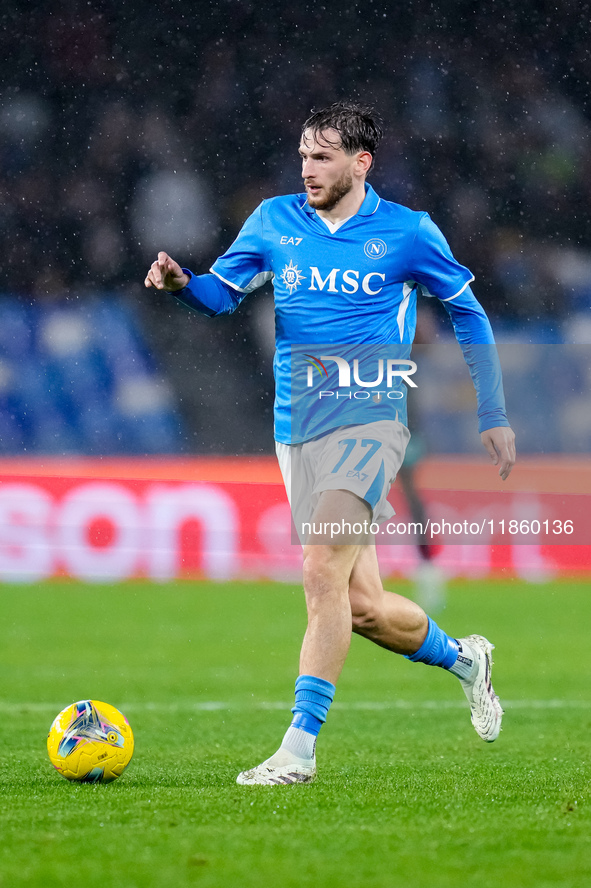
pixel 282 768
pixel 485 708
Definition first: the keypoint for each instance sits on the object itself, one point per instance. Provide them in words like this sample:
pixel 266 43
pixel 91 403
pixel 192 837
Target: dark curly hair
pixel 359 126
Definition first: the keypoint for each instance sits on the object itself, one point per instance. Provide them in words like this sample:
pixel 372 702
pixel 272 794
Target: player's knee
pixel 326 569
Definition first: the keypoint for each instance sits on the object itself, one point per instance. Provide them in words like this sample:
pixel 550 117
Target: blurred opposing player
pixel 346 269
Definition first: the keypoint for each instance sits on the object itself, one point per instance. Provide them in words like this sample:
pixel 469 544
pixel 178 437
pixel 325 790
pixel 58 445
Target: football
pixel 90 742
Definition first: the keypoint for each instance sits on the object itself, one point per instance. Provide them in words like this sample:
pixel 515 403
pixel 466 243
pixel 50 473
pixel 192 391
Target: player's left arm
pixel 433 266
pixel 500 445
pixel 474 334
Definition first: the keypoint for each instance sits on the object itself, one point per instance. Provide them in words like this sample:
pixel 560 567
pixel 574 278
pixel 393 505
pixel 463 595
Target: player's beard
pixel 337 191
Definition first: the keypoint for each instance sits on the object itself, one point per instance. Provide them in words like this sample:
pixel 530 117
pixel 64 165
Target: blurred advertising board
pixel 106 520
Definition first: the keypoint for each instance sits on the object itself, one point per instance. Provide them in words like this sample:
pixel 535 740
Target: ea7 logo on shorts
pixel 360 476
pixel 375 248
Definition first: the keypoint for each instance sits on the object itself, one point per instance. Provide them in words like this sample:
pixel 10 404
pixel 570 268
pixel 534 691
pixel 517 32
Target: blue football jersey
pixel 354 287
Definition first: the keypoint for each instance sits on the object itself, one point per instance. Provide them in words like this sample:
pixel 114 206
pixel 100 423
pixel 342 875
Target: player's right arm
pixel 242 269
pixel 166 274
pixel 204 293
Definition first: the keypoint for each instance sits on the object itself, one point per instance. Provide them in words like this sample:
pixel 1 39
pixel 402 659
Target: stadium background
pixel 124 131
pixel 132 435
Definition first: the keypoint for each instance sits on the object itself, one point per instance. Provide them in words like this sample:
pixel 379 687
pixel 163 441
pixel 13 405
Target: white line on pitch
pixel 368 705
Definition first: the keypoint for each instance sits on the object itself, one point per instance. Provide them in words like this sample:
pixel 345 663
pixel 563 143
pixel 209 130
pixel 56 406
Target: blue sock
pixel 438 649
pixel 313 697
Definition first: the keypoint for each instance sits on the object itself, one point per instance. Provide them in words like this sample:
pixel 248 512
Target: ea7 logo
pixel 347 282
pixel 293 241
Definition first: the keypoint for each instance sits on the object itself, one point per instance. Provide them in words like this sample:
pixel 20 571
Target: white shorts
pixel 363 459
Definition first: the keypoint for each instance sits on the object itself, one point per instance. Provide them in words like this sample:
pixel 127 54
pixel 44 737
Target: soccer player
pixel 346 268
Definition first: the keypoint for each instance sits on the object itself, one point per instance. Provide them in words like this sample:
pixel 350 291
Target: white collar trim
pixel 333 226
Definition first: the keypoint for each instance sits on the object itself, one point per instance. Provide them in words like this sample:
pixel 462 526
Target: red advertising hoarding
pixel 110 520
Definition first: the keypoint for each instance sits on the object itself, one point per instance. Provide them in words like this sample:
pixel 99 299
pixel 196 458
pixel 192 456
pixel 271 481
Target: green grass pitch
pixel 407 794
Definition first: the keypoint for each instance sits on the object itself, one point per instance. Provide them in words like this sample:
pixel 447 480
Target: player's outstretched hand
pixel 166 274
pixel 500 444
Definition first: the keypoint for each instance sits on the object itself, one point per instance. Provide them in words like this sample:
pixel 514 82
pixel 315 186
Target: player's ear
pixel 364 162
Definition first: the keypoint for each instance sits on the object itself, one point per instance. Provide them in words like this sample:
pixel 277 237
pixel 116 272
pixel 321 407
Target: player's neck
pixel 348 205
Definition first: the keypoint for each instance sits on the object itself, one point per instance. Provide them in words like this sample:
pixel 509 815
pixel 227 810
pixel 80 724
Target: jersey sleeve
pixel 208 295
pixel 437 273
pixel 432 265
pixel 475 336
pixel 245 266
pixel 469 319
